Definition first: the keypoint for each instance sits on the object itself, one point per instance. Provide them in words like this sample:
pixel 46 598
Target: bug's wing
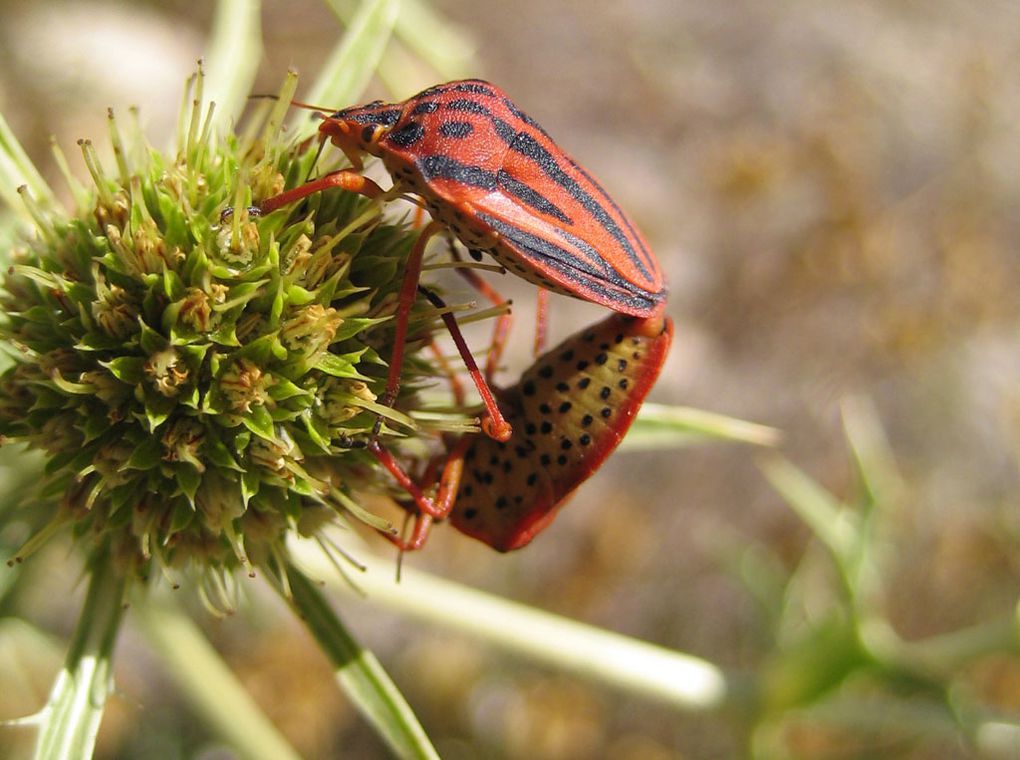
pixel 569 411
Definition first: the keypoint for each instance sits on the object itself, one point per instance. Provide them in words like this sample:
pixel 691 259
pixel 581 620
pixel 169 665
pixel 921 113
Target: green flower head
pixel 203 383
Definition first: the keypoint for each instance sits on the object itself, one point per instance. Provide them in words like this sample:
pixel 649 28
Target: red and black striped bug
pixel 493 178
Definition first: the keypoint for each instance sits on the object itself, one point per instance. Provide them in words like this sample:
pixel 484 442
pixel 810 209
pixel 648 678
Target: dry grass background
pixel 832 189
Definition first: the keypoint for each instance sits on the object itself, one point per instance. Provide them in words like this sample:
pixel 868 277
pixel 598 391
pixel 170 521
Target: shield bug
pixel 491 176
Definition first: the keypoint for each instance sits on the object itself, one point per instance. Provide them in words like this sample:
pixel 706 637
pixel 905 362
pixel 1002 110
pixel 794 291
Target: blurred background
pixel 832 189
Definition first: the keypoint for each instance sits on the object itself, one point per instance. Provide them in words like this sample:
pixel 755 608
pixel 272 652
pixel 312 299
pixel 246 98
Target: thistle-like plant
pixel 204 382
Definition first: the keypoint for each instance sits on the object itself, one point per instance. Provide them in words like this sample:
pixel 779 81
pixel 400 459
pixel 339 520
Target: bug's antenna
pixel 296 103
pixel 322 144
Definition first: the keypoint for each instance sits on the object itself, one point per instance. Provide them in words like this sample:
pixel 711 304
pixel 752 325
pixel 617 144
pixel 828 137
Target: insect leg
pixel 442 504
pixel 494 424
pixel 343 179
pixel 541 320
pixel 502 328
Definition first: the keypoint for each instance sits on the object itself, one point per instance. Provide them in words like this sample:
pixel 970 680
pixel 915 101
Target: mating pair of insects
pixel 493 178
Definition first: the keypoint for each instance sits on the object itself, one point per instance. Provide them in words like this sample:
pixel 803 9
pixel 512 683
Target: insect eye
pixel 369 133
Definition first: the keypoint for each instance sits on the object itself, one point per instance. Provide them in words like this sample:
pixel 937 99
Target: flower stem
pixel 203 676
pixel 359 673
pixel 70 720
pixel 641 668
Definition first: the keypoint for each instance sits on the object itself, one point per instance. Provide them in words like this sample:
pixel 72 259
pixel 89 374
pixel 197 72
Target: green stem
pixel 219 699
pixel 70 720
pixel 359 673
pixel 350 66
pixel 17 169
pixel 235 48
pixel 641 668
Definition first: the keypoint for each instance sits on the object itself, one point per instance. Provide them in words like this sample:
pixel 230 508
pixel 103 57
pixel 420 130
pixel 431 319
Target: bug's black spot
pixel 547 427
pixel 621 365
pixel 470 513
pixel 589 337
pixel 521 452
pixel 546 372
pixel 468 490
pixel 456 129
pixel 583 383
pixel 586 420
pixel 605 392
pixel 528 388
pixel 602 358
pixel 530 428
pixel 502 503
pixel 507 466
pixel 561 460
pixel 487 478
pixel 532 478
pixel 493 460
pixel 584 440
pixel 562 387
pixel 582 365
pixel 474 252
pixel 407 135
pixel 567 355
pixel 545 459
pixel 567 444
pixel 565 407
pixel 469 455
pixel 624 383
pixel 606 412
pixel 619 338
pixel 545 409
pixel 636 356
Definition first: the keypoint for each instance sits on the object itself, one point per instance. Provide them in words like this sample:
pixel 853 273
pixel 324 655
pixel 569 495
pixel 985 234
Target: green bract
pixel 202 385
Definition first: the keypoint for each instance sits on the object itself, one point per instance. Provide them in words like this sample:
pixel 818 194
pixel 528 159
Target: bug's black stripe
pixel 519 114
pixel 444 167
pixel 429 106
pixel 504 130
pixel 530 148
pixel 387 117
pixel 530 196
pixel 605 281
pixel 406 134
pixel 473 86
pixel 456 129
pixel 649 258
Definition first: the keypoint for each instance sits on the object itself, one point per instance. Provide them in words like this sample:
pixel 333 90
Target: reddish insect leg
pixel 441 506
pixel 494 425
pixel 343 179
pixel 541 320
pixel 503 322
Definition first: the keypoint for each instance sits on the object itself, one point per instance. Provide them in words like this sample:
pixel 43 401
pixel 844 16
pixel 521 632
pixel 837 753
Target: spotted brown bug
pixel 569 410
pixel 493 178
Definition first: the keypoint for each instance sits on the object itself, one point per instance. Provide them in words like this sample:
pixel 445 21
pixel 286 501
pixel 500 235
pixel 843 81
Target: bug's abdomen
pixel 569 411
